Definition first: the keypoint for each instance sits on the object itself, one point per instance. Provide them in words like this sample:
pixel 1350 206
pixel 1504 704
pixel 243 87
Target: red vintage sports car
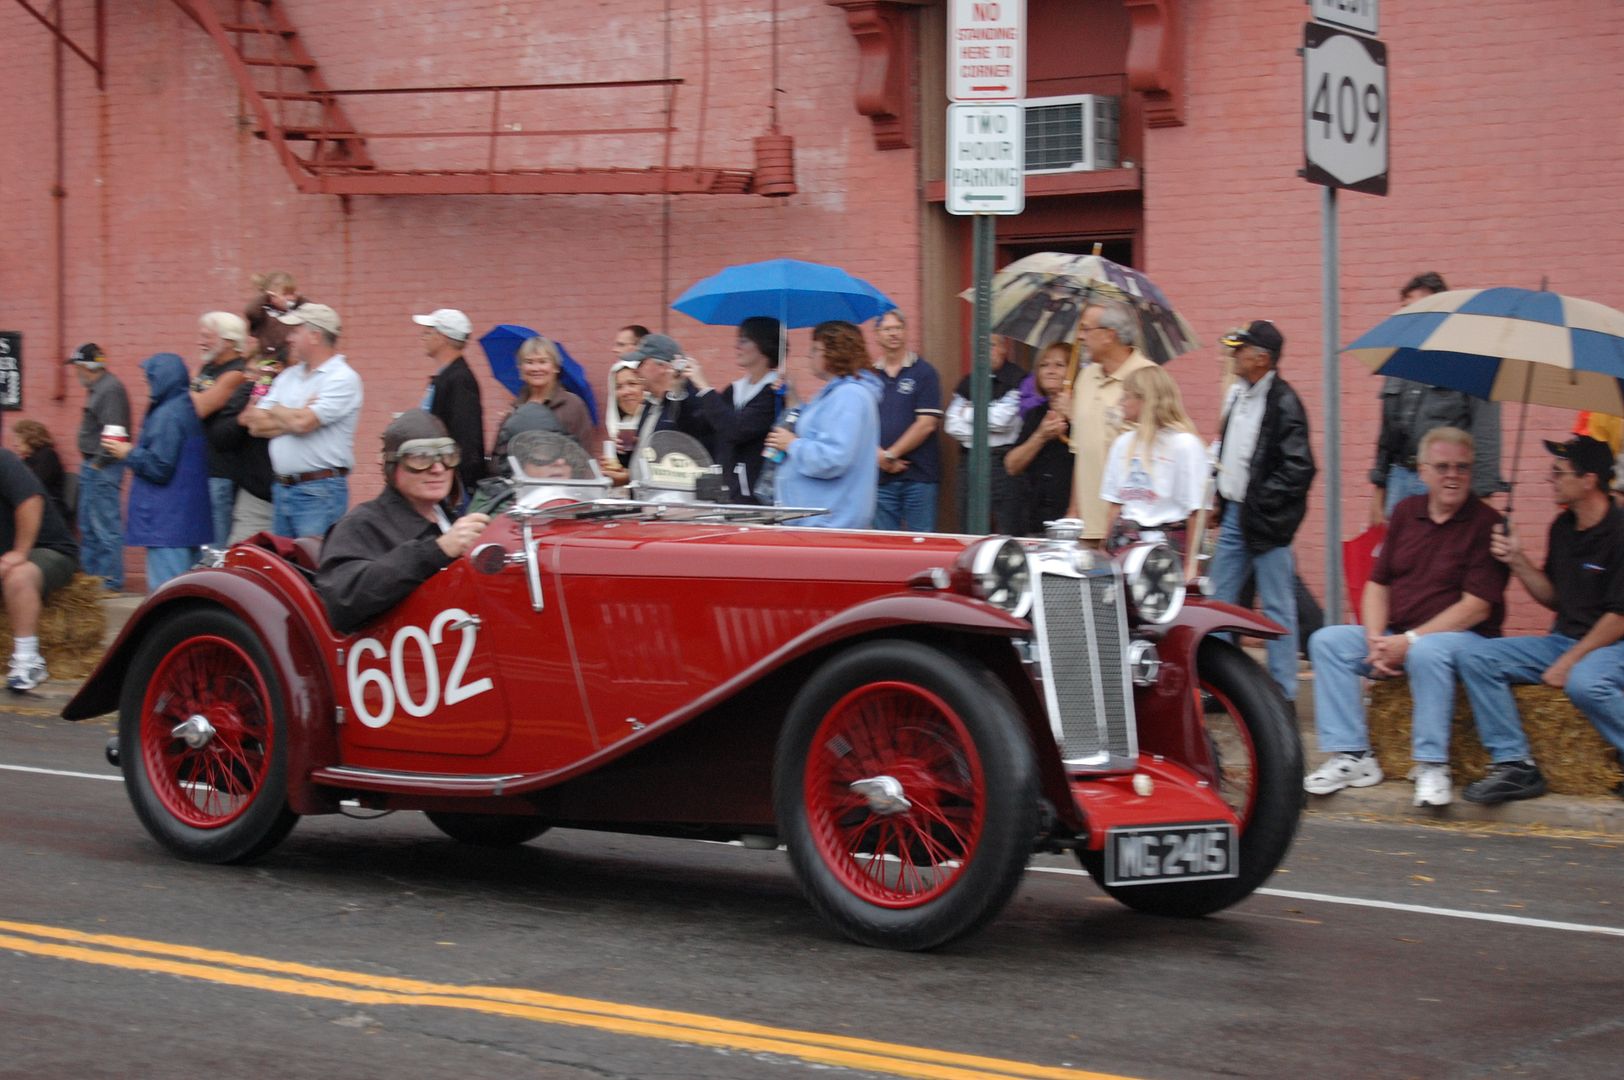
pixel 911 716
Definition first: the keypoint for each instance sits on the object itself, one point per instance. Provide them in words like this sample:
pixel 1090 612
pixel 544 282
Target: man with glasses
pixel 1435 591
pixel 1583 655
pixel 1110 335
pixel 385 548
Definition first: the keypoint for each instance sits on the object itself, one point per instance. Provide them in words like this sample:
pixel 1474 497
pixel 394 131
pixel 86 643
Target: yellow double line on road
pixel 360 988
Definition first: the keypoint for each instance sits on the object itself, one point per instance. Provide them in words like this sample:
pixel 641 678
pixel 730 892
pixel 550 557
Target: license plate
pixel 1156 854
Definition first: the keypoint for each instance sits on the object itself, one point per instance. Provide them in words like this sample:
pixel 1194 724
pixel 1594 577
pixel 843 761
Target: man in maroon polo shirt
pixel 1435 591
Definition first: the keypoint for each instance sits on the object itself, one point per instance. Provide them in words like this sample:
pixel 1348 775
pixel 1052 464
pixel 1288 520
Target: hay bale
pixel 71 627
pixel 1575 759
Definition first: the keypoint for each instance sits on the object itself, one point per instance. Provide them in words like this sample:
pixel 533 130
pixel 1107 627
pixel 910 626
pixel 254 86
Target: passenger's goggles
pixel 421 455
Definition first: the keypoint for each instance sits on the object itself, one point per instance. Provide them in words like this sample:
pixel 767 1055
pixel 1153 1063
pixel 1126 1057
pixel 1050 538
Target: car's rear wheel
pixel 204 739
pixel 1259 756
pixel 487 830
pixel 906 791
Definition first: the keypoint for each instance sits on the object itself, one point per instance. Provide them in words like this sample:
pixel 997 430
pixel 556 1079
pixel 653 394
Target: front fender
pixel 1169 713
pixel 274 618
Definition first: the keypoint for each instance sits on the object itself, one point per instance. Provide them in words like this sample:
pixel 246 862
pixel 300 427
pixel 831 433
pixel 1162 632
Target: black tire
pixel 1254 719
pixel 224 801
pixel 487 830
pixel 951 733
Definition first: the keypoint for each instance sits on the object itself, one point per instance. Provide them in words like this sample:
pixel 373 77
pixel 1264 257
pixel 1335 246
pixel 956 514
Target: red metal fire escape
pixel 324 151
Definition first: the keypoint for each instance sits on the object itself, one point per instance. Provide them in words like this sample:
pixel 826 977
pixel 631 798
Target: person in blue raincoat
pixel 829 456
pixel 168 512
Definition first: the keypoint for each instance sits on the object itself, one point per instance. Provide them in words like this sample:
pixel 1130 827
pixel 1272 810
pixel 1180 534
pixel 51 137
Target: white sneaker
pixel 25 674
pixel 1431 784
pixel 1343 770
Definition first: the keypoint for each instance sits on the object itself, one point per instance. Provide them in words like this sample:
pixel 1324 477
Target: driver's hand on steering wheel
pixel 463 535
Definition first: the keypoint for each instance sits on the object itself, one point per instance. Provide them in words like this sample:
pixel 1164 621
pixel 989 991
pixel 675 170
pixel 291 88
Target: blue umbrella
pixel 795 293
pixel 1505 344
pixel 501 345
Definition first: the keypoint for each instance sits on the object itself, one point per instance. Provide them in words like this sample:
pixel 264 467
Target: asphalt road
pixel 381 949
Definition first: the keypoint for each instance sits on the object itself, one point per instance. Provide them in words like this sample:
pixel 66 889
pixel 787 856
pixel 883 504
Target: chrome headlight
pixel 1155 575
pixel 999 575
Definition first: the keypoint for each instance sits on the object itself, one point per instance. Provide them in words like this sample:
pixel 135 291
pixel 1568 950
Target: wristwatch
pixel 889 456
pixel 1410 636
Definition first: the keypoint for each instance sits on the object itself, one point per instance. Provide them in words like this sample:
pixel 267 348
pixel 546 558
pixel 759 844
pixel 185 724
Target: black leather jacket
pixel 1282 470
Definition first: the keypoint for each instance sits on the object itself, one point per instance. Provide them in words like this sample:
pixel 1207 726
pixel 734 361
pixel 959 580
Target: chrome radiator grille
pixel 1082 647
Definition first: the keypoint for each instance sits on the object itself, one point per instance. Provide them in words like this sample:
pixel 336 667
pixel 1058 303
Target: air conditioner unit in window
pixel 1071 134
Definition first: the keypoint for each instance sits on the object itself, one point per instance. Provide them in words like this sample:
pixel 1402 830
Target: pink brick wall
pixel 172 204
pixel 1507 165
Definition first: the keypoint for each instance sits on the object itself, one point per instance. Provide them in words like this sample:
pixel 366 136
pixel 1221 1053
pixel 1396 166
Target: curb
pixel 1391 801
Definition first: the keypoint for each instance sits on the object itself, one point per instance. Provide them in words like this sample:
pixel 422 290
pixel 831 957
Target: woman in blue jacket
pixel 169 491
pixel 829 457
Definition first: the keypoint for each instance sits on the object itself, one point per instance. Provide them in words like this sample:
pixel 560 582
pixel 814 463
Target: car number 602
pixel 392 688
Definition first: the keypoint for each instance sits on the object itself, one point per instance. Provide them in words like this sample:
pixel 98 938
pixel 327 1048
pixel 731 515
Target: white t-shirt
pixel 1169 490
pixel 333 393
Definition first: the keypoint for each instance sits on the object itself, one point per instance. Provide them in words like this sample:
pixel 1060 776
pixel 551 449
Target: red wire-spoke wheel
pixel 1259 757
pixel 204 736
pixel 206 732
pixel 905 789
pixel 892 792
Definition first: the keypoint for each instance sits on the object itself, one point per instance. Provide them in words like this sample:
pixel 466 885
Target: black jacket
pixel 1282 469
pixel 373 559
pixel 456 403
pixel 1411 409
pixel 739 435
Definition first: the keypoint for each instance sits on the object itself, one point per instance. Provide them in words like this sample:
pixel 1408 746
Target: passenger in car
pixel 382 550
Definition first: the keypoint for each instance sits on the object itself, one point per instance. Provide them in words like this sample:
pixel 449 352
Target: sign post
pixel 986 163
pixel 1345 139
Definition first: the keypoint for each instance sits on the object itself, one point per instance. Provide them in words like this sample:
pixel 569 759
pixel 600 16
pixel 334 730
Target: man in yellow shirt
pixel 1110 333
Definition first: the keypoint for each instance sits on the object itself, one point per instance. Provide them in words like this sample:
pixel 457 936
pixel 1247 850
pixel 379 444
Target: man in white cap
pixel 453 393
pixel 309 415
pixel 101 476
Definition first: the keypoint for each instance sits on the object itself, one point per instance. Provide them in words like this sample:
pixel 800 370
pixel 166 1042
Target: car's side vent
pixel 1072 134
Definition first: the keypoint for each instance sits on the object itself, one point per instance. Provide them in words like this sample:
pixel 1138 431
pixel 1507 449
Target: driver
pixel 382 550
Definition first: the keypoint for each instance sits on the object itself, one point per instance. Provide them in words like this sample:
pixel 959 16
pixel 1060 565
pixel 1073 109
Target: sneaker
pixel 1431 784
pixel 1506 780
pixel 1343 770
pixel 26 674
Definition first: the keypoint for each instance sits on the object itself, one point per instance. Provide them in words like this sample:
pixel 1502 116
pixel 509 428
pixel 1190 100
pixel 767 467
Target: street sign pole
pixel 1345 140
pixel 1329 292
pixel 978 512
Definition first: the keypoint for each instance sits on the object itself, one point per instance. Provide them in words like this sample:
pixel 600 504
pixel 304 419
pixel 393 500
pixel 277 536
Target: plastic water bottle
pixel 787 422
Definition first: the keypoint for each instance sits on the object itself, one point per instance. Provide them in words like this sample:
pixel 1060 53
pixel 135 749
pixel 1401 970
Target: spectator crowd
pixel 261 437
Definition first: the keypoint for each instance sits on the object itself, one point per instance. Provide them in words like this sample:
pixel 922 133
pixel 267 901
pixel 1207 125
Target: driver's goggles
pixel 421 455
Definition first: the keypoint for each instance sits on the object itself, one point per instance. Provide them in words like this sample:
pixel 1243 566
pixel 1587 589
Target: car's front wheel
pixel 906 791
pixel 1259 756
pixel 204 739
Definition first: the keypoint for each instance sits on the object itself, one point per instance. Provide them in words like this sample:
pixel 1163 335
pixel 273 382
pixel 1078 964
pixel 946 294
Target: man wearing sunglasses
pixel 1435 591
pixel 383 549
pixel 1583 655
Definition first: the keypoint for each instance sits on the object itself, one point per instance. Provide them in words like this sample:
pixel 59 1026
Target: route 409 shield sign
pixel 1345 110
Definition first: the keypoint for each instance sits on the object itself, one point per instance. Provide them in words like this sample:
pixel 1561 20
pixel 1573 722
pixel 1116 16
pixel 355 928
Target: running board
pixel 354 778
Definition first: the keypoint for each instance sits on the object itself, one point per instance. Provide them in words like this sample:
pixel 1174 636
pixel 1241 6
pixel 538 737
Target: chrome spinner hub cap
pixel 884 794
pixel 195 731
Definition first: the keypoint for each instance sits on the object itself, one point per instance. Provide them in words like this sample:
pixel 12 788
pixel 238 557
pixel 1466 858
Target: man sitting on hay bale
pixel 37 556
pixel 1583 655
pixel 1434 592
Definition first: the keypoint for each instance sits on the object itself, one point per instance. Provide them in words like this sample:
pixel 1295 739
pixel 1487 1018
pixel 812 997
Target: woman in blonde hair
pixel 1156 472
pixel 540 368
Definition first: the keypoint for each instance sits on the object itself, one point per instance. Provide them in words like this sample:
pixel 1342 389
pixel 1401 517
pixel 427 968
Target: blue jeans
pixel 164 563
pixel 308 509
pixel 222 497
pixel 101 524
pixel 911 501
pixel 1401 484
pixel 1595 685
pixel 1338 653
pixel 1275 572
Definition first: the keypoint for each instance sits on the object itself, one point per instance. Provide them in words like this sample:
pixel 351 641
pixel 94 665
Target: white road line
pixel 1284 894
pixel 1389 905
pixel 62 772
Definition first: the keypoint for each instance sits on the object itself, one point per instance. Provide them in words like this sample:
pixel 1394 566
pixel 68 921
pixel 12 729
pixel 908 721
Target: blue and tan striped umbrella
pixel 1505 344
